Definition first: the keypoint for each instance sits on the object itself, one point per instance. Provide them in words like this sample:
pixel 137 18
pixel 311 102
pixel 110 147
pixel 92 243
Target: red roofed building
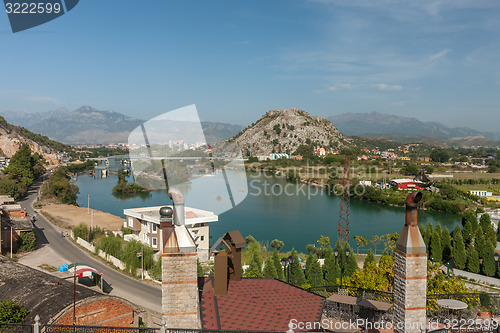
pixel 257 304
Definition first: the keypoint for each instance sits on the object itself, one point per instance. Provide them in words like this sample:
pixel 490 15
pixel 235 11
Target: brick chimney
pixel 410 273
pixel 180 298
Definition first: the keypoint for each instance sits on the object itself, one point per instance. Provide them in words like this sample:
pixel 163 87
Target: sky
pixel 433 60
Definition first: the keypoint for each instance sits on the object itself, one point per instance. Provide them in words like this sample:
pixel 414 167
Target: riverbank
pixel 69 216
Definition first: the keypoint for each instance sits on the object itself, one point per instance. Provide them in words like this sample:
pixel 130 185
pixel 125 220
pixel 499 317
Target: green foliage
pixel 485 221
pixel 269 268
pixel 446 244
pixel 24 167
pixel 11 188
pixel 132 261
pixel 370 258
pixel 111 245
pixel 277 244
pixel 122 188
pixel 489 265
pixel 155 270
pixel 277 265
pixel 467 232
pixel 10 312
pixel 436 249
pixel 472 260
pixel 331 268
pixel 59 186
pixel 296 273
pixel 201 273
pixel 315 273
pixel 81 231
pixel 427 238
pixel 440 283
pixel 459 256
pixel 410 169
pixel 27 241
pixel 371 277
pixel 470 216
pixel 439 155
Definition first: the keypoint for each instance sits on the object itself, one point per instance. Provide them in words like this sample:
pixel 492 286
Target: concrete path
pixel 477 277
pixel 60 248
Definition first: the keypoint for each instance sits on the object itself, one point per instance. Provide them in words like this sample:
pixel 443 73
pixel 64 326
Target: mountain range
pixel 87 125
pixel 405 129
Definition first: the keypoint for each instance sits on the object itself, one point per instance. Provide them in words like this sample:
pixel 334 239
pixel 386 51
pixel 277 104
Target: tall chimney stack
pixel 180 299
pixel 410 273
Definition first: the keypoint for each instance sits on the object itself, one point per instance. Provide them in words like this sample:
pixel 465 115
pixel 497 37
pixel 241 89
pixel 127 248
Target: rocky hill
pixel 12 137
pixel 283 131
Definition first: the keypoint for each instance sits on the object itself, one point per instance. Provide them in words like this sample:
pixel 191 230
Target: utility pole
pixel 142 262
pixel 88 203
pixel 74 293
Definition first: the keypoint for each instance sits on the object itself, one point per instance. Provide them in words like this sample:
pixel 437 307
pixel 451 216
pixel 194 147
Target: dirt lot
pixel 67 216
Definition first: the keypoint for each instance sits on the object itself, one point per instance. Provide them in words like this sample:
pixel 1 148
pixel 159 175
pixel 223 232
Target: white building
pixel 481 193
pixel 145 225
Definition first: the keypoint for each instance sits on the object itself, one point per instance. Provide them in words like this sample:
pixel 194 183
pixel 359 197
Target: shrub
pixel 10 312
pixel 27 241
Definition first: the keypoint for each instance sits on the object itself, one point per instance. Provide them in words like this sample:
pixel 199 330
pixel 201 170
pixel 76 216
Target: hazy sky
pixel 435 60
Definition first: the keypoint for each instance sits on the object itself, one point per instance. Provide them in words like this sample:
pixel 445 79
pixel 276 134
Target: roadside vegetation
pixel 23 169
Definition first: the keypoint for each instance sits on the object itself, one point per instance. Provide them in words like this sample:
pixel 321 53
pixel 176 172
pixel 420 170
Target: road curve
pixel 142 294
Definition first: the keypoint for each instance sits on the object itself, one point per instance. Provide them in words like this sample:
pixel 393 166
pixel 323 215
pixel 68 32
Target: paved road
pixel 148 296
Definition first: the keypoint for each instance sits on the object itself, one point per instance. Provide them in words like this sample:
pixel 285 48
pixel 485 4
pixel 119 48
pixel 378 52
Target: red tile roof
pixel 258 304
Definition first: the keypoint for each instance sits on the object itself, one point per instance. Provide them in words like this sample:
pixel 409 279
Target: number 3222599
pixel 32 8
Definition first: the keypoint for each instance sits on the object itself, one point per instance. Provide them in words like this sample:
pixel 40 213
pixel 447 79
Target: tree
pixel 360 242
pixel 296 273
pixel 269 268
pixel 410 170
pixel 485 221
pixel 27 241
pixel 331 268
pixel 277 265
pixel 386 265
pixel 370 258
pixel 446 244
pixel 277 244
pixel 470 215
pixel 427 238
pixel 376 240
pixel 472 260
pixel 459 256
pixel 254 266
pixel 352 263
pixel 439 155
pixel 368 278
pixel 10 312
pixel 480 243
pixel 436 250
pixel 489 264
pixel 467 232
pixel 315 275
pixel 390 241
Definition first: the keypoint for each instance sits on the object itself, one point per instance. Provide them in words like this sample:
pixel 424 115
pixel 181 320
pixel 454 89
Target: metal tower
pixel 343 229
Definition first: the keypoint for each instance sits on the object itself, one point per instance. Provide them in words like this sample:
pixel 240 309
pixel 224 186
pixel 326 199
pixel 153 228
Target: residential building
pixel 481 193
pixel 145 225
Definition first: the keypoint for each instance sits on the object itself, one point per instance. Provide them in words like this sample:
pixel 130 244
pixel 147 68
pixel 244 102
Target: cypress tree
pixel 315 277
pixel 421 228
pixel 436 250
pixel 498 232
pixel 470 216
pixel 467 232
pixel 480 243
pixel 351 262
pixel 490 235
pixel 369 258
pixel 296 273
pixel 459 256
pixel 427 238
pixel 331 268
pixel 269 269
pixel 446 244
pixel 489 265
pixel 457 231
pixel 485 221
pixel 277 265
pixel 472 260
pixel 309 263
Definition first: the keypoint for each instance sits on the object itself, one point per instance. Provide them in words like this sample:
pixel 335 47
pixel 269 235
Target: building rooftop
pixel 40 293
pixel 257 304
pixel 152 214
